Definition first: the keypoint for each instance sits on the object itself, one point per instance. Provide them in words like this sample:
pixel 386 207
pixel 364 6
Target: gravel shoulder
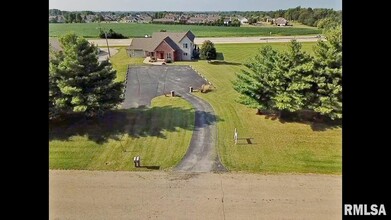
pixel 176 195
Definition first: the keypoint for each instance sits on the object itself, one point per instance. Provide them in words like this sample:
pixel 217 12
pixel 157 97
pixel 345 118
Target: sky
pixel 187 5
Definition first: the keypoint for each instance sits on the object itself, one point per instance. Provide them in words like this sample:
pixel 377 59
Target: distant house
pixel 129 19
pixel 52 18
pixel 268 19
pixel 183 19
pixel 168 18
pixel 196 20
pixel 280 21
pixel 90 18
pixel 56 19
pixel 167 46
pixel 164 20
pixel 144 19
pixel 243 20
pixel 213 18
pixel 109 18
pixel 227 21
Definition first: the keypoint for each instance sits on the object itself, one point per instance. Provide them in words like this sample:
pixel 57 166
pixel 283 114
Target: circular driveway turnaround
pixel 146 82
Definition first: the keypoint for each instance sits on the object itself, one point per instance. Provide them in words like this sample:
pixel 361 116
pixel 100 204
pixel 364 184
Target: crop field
pixel 91 30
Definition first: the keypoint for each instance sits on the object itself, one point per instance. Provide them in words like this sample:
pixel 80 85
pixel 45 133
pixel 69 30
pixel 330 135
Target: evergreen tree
pixel 328 70
pixel 56 98
pixel 275 81
pixel 295 79
pixel 79 83
pixel 257 84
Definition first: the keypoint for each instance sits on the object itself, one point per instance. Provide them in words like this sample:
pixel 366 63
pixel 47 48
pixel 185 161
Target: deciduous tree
pixel 208 50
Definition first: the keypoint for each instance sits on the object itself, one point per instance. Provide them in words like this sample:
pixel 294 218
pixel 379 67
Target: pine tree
pixel 79 83
pixel 295 79
pixel 55 96
pixel 276 81
pixel 328 71
pixel 257 84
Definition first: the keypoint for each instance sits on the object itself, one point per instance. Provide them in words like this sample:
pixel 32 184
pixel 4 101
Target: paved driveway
pixel 146 82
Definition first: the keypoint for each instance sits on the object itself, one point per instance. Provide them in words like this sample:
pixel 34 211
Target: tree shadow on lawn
pixel 219 56
pixel 308 118
pixel 218 62
pixel 137 123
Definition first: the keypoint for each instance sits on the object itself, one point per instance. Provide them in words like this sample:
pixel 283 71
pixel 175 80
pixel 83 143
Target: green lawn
pixel 91 30
pixel 121 61
pixel 160 135
pixel 277 146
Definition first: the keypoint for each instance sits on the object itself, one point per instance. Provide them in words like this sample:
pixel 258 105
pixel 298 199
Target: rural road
pixel 217 40
pixel 201 156
pixel 175 195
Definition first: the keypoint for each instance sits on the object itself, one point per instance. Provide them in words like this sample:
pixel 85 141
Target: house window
pixel 185 54
pixel 185 45
pixel 168 55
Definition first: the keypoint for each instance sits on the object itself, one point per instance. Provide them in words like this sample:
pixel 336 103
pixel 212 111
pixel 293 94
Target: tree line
pixel 294 81
pixel 317 17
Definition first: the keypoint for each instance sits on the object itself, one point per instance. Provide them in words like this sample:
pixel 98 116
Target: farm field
pixel 91 30
pixel 276 146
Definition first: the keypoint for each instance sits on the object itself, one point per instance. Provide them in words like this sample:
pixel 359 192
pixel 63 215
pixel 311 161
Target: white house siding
pixel 244 21
pixel 186 52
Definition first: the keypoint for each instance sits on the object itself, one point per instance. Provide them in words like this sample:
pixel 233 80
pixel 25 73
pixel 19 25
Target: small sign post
pixel 236 136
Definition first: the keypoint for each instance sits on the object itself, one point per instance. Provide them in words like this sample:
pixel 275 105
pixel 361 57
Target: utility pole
pixel 107 42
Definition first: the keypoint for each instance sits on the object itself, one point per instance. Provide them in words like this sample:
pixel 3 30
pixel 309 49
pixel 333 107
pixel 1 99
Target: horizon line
pixel 189 11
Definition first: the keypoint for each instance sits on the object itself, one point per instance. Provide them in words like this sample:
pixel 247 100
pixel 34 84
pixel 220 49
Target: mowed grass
pixel 159 135
pixel 277 147
pixel 121 61
pixel 91 30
